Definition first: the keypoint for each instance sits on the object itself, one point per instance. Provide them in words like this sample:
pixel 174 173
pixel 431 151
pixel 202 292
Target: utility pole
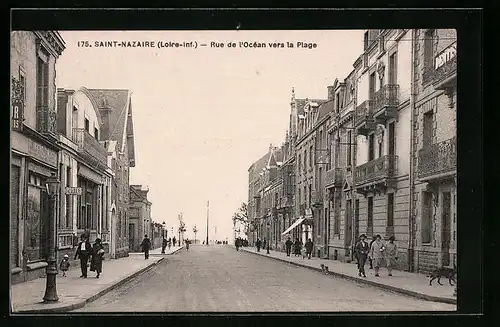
pixel 208 211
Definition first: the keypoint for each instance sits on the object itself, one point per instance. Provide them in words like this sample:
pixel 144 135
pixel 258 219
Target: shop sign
pixel 73 190
pixel 42 153
pixel 17 115
pixel 445 56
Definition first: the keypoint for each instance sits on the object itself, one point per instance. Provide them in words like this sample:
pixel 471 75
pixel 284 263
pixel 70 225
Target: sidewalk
pixel 74 292
pixel 157 252
pixel 412 284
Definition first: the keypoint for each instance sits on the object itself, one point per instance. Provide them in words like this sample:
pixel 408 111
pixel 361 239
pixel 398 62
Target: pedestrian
pixel 169 243
pixel 369 258
pixel 309 247
pixel 297 247
pixel 237 244
pixel 174 240
pixel 146 246
pixel 64 265
pixel 163 245
pixel 187 241
pixel 362 249
pixel 264 243
pixel 258 243
pixel 97 257
pixel 83 253
pixel 391 254
pixel 288 246
pixel 377 253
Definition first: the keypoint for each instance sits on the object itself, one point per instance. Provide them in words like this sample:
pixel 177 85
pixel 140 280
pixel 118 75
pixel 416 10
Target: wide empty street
pixel 218 278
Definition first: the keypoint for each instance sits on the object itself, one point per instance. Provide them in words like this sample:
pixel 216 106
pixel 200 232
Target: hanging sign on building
pixel 17 115
pixel 73 191
pixel 445 56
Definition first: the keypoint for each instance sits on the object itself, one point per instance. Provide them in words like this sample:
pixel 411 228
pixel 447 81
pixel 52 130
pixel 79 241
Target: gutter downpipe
pixel 411 217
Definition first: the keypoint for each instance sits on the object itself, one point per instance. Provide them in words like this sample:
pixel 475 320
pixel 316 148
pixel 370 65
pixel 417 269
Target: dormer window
pixel 87 125
pixel 96 133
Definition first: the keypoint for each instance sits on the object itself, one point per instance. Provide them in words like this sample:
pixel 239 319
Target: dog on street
pixel 444 272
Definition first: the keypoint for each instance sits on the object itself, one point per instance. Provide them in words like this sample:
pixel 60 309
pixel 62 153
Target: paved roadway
pixel 218 278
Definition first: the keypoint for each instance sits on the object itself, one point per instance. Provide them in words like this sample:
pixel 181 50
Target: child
pixel 64 265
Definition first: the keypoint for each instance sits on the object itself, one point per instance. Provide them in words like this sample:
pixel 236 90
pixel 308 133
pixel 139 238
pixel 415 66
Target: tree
pixel 195 230
pixel 240 217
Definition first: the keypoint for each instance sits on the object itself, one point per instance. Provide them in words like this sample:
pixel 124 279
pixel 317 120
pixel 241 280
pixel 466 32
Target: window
pixel 393 68
pixel 390 209
pixel 380 149
pixel 372 81
pixel 426 217
pixel 311 157
pixel 22 81
pixel 365 41
pixel 42 80
pixel 381 44
pixel 305 160
pixel 309 195
pixel 369 221
pixel 349 148
pixel 336 213
pixel 371 147
pixel 337 105
pixel 429 49
pixel 300 162
pixel 427 130
pixel 87 125
pixel 96 133
pixel 305 194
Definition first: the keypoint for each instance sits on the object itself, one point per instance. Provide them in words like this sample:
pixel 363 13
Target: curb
pixel 94 297
pixel 368 282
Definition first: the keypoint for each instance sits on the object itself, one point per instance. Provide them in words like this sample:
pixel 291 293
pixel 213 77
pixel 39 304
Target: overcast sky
pixel 202 116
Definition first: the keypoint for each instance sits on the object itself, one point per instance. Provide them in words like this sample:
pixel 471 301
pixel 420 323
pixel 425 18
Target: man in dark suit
pixel 83 252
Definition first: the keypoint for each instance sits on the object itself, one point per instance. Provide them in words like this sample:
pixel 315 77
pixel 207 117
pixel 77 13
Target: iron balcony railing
pixel 438 158
pixel 89 146
pixel 387 96
pixel 46 120
pixel 383 167
pixel 334 177
pixel 317 197
pixel 363 112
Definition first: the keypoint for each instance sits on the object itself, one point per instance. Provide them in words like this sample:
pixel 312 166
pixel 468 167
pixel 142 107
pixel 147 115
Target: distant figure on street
pixel 288 246
pixel 203 242
pixel 169 242
pixel 64 265
pixel 174 240
pixel 187 241
pixel 97 257
pixel 258 243
pixel 163 245
pixel 309 247
pixel 369 258
pixel 297 247
pixel 146 246
pixel 391 255
pixel 377 253
pixel 362 249
pixel 237 244
pixel 264 244
pixel 83 253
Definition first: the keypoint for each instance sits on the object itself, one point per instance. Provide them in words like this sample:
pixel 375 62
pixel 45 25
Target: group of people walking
pixel 168 243
pixel 377 252
pixel 84 252
pixel 298 248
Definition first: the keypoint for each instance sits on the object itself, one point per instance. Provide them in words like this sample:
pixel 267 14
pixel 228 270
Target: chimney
pixel 330 92
pixel 104 111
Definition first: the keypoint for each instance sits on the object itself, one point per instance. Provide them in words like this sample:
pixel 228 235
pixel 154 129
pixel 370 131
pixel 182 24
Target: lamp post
pixel 208 211
pixel 50 296
pixel 195 230
pixel 268 240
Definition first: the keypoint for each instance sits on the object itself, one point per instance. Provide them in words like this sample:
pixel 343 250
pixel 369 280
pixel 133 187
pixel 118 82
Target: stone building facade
pixel 434 149
pixel 83 172
pixel 379 156
pixel 139 216
pixel 34 147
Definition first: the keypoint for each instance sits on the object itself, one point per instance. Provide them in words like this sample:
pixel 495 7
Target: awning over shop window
pixel 89 174
pixel 295 224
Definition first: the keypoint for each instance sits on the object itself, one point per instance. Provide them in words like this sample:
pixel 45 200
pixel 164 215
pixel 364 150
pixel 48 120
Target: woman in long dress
pixel 97 257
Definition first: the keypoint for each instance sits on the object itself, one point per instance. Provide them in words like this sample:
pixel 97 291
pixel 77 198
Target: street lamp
pixel 52 185
pixel 268 226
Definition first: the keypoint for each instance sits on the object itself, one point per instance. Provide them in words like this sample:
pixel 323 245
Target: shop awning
pixel 295 224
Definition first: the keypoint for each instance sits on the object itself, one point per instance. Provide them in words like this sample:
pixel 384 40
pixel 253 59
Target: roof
pixel 324 109
pixel 302 102
pixel 120 128
pixel 259 164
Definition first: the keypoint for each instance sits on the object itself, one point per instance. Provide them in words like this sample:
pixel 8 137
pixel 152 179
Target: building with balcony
pixel 255 180
pixel 34 148
pixel 339 193
pixel 139 216
pixel 382 121
pixel 286 201
pixel 83 171
pixel 311 165
pixel 434 150
pixel 115 109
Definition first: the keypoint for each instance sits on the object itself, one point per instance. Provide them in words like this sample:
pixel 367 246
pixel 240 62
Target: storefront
pixel 33 161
